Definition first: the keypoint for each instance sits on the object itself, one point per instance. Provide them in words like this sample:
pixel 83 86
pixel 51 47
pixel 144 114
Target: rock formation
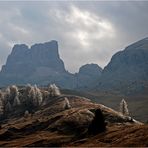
pixel 87 76
pixel 41 64
pixel 128 69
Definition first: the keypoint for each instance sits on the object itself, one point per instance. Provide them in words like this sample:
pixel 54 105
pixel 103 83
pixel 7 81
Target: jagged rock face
pixel 39 55
pixel 31 64
pixel 127 68
pixel 41 64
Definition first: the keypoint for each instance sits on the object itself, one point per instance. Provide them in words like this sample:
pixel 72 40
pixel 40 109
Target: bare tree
pixel 124 107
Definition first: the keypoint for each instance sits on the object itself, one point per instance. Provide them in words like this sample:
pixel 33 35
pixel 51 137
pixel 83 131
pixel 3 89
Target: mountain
pixel 87 76
pixel 127 72
pixel 41 64
pixel 90 70
pixel 33 64
pixel 128 69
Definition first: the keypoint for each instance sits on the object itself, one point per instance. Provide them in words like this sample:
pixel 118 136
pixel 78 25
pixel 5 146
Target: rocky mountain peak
pixel 90 69
pixel 32 63
pixel 49 48
pixel 127 68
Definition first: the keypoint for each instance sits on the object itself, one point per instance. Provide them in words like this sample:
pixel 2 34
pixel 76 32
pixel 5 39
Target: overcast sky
pixel 87 32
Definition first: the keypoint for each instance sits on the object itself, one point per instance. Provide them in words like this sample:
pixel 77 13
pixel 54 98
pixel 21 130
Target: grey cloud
pixel 86 31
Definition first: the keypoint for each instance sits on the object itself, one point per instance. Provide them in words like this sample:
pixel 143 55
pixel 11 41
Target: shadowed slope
pixel 53 125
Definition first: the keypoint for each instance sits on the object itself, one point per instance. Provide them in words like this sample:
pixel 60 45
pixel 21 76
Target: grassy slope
pixel 137 104
pixel 52 125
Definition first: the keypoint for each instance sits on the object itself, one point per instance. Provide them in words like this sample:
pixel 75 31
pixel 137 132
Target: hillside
pixel 63 120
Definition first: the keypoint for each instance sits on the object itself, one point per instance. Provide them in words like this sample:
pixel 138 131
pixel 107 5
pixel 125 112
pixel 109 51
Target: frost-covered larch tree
pixel 11 93
pixel 31 93
pixel 54 91
pixel 7 95
pixel 14 95
pixel 38 96
pixel 1 103
pixel 16 101
pixel 34 95
pixel 66 103
pixel 124 107
pixel 8 107
pixel 50 90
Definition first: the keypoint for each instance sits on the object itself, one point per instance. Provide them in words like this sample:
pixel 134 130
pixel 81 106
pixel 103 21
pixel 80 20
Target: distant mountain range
pixel 41 64
pixel 127 71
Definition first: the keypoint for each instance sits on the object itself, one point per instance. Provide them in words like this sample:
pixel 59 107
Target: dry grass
pixel 54 126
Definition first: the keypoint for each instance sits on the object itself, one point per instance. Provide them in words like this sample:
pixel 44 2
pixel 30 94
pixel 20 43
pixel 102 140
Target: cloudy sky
pixel 87 32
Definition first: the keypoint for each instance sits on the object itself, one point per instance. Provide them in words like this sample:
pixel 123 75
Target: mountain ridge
pixel 127 67
pixel 41 64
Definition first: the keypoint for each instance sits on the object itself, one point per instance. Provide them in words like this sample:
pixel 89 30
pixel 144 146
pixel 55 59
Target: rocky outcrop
pixel 41 64
pixel 128 69
pixel 32 64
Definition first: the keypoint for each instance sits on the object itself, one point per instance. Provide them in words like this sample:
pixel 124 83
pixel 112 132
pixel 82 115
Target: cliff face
pixel 128 69
pixel 41 64
pixel 22 59
pixel 32 64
